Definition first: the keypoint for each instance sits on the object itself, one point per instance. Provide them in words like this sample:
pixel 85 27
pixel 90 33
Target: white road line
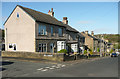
pixel 44 70
pixel 51 68
pixel 63 66
pixel 57 67
pixel 47 67
pixel 40 69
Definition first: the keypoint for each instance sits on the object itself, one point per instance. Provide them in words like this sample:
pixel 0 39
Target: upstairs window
pixel 10 46
pixel 60 32
pixel 51 31
pixel 74 37
pixel 42 30
pixel 17 15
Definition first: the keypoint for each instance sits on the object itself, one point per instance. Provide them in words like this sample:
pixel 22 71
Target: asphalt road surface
pixel 98 67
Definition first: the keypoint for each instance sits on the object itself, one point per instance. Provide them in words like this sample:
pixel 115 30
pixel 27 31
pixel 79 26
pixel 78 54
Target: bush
pixel 63 51
pixel 111 50
pixel 98 49
pixel 85 51
pixel 91 52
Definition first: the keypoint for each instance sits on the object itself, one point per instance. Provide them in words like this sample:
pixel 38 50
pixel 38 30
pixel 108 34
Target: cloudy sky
pixel 100 17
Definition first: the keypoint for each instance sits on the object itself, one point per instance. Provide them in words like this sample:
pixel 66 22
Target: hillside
pixel 113 38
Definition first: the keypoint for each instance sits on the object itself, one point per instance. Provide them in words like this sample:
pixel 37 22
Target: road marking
pixel 51 68
pixel 47 67
pixel 40 69
pixel 63 66
pixel 44 70
pixel 57 67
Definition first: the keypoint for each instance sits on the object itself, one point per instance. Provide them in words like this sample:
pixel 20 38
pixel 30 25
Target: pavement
pixel 94 67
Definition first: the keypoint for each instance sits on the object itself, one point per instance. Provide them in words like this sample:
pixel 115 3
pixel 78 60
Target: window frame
pixel 42 47
pixel 60 31
pixel 42 29
pixel 51 30
pixel 11 46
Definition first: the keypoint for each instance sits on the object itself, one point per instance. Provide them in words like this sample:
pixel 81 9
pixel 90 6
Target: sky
pixel 100 17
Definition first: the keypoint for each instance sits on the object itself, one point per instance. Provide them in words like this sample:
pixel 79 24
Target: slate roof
pixel 42 17
pixel 90 36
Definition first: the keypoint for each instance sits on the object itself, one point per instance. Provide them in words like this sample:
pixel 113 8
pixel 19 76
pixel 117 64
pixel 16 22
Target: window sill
pixel 41 35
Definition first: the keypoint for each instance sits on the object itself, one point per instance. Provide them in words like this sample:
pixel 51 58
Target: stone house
pixel 90 41
pixel 34 31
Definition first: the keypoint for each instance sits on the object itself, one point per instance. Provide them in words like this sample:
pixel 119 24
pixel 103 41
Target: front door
pixel 51 48
pixel 14 47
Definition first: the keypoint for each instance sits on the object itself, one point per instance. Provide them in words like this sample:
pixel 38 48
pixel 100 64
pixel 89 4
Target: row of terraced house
pixel 34 31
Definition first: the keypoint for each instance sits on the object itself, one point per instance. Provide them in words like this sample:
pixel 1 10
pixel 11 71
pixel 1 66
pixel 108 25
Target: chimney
pixel 51 13
pixel 92 33
pixel 86 32
pixel 65 21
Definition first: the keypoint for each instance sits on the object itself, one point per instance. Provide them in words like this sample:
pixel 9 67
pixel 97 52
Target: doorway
pixel 51 48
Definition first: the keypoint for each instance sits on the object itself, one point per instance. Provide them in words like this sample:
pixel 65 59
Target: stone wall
pixel 34 55
pixel 47 56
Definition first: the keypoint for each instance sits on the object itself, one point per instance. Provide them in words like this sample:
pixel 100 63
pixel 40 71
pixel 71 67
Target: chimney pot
pixel 92 33
pixel 65 21
pixel 86 32
pixel 64 18
pixel 51 13
pixel 51 9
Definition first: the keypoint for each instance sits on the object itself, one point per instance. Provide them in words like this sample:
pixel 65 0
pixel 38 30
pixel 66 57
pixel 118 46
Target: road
pixel 98 67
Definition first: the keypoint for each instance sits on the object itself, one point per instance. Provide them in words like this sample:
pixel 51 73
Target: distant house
pixel 34 31
pixel 90 41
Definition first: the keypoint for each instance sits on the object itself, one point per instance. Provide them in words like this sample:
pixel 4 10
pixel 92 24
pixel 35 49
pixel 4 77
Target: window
pixel 17 15
pixel 74 37
pixel 10 46
pixel 69 37
pixel 42 47
pixel 60 32
pixel 51 31
pixel 42 30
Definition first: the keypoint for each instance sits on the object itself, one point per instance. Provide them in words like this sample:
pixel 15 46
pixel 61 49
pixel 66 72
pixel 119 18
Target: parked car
pixel 114 55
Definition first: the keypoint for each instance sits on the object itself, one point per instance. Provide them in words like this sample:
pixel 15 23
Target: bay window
pixel 60 31
pixel 42 47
